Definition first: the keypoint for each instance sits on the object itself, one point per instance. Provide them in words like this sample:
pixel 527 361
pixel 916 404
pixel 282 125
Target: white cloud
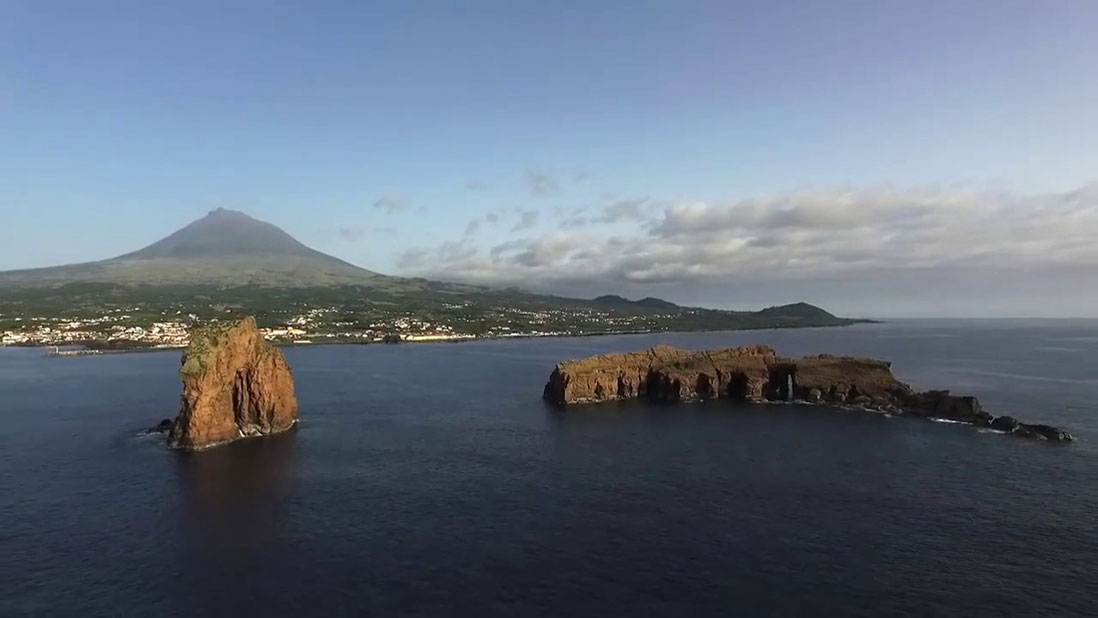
pixel 631 210
pixel 527 220
pixel 352 233
pixel 836 235
pixel 475 224
pixel 392 203
pixel 541 185
pixel 458 251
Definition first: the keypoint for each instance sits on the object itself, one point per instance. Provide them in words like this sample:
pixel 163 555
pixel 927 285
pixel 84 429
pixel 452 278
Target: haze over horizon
pixel 876 159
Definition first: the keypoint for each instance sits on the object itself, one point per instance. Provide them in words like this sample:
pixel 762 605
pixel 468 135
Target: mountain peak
pixel 224 233
pixel 225 247
pixel 226 214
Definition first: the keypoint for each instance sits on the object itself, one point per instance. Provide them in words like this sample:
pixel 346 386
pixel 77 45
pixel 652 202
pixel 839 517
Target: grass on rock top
pixel 204 340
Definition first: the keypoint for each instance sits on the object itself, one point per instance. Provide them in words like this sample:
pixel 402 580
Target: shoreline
pixel 79 350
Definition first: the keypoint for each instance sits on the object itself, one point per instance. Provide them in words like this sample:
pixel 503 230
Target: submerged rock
pixel 757 373
pixel 163 426
pixel 235 385
pixel 940 404
pixel 1043 432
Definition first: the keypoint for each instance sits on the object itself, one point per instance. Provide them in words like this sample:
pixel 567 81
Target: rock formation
pixel 235 385
pixel 758 374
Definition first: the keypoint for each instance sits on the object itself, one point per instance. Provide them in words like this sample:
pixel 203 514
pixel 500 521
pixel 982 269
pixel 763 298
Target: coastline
pixel 82 349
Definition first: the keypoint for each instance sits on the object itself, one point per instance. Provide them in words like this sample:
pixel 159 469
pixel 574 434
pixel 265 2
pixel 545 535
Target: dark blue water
pixel 430 479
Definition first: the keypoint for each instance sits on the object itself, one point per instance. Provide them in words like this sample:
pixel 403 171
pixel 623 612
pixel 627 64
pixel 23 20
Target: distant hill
pixel 656 303
pixel 620 302
pixel 798 310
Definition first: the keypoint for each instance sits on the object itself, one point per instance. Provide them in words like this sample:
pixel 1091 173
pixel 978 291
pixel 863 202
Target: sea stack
pixel 758 374
pixel 235 385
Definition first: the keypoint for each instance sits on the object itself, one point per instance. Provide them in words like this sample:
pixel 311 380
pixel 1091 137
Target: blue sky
pixel 379 131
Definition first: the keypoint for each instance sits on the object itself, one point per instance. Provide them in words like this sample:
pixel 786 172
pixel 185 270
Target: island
pixel 757 374
pixel 228 264
pixel 235 385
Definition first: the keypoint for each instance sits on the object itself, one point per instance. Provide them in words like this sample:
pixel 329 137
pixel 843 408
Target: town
pixel 134 328
pixel 105 318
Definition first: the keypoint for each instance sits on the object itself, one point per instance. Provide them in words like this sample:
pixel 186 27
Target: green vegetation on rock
pixel 204 340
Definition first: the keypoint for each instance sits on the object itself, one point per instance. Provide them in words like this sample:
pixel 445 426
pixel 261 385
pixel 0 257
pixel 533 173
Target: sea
pixel 430 479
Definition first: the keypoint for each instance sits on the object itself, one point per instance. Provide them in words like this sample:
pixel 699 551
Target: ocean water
pixel 430 479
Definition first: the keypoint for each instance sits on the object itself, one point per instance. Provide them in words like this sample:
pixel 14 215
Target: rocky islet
pixel 758 374
pixel 235 385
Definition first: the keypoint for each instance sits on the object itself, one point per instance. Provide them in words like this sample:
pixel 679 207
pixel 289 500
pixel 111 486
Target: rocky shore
pixel 235 385
pixel 758 374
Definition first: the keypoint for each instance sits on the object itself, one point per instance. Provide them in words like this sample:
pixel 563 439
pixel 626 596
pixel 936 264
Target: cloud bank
pixel 863 240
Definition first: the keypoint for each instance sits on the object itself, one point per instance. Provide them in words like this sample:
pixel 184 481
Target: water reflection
pixel 234 503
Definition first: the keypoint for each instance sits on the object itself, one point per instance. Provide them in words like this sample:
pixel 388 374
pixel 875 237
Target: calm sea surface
pixel 430 479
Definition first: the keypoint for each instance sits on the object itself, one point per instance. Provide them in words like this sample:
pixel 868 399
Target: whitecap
pixel 948 420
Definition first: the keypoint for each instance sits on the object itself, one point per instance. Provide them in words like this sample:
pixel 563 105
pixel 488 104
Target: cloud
pixel 527 220
pixel 503 248
pixel 355 233
pixel 545 251
pixel 351 234
pixel 873 237
pixel 458 251
pixel 416 258
pixel 475 224
pixel 541 185
pixel 392 203
pixel 624 209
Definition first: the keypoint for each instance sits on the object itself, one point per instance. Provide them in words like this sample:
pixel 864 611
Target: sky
pixel 876 158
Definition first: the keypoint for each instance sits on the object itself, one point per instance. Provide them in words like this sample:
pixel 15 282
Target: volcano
pixel 226 247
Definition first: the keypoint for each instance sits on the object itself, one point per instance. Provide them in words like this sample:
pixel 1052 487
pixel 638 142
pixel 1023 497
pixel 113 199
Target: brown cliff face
pixel 664 373
pixel 235 385
pixel 757 373
pixel 749 373
pixel 841 379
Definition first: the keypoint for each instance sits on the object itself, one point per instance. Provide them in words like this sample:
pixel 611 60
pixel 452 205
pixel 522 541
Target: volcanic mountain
pixel 226 247
pixel 246 263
